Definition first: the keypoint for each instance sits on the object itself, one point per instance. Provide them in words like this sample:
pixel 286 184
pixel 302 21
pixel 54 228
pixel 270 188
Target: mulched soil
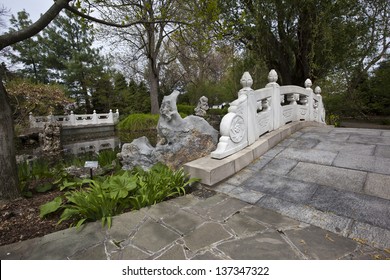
pixel 19 218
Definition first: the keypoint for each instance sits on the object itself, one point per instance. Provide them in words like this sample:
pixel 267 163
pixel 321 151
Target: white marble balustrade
pixel 75 119
pixel 256 112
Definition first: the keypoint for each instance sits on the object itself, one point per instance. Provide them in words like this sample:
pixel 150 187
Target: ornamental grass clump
pixel 103 198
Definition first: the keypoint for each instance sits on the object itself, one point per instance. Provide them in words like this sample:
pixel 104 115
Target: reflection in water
pixel 92 146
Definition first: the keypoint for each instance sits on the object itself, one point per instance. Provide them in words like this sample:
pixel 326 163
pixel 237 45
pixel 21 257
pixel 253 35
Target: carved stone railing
pixel 256 112
pixel 75 120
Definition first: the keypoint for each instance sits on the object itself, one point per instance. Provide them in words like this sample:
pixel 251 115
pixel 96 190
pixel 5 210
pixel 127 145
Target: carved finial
pixel 317 90
pixel 117 111
pixel 308 83
pixel 110 110
pixel 272 76
pixel 71 112
pixel 94 111
pixel 246 80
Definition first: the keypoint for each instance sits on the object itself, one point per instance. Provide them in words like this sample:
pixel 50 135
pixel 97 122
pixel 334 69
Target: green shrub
pixel 158 184
pixel 36 170
pixel 107 158
pixel 333 119
pixel 185 109
pixel 136 122
pixel 104 198
pixel 219 112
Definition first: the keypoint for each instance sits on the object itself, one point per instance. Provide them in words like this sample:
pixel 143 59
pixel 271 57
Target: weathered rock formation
pixel 203 106
pixel 179 140
pixel 51 139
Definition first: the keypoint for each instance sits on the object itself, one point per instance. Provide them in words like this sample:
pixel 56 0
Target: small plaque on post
pixel 91 164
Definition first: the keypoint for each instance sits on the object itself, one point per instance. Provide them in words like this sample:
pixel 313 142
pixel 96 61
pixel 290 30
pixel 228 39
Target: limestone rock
pixel 137 153
pixel 179 140
pixel 51 139
pixel 202 107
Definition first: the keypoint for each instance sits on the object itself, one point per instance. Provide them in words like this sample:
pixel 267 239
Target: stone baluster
pixel 317 91
pixel 31 119
pixel 321 110
pixel 94 117
pixel 276 98
pixel 311 101
pixel 303 99
pixel 110 117
pixel 72 118
pixel 246 82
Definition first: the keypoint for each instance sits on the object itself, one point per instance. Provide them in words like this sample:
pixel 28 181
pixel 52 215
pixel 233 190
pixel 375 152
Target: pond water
pixel 90 143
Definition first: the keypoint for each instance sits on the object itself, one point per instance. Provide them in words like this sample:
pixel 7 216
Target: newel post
pixel 308 85
pixel 250 110
pixel 276 107
pixel 94 117
pixel 321 110
pixel 72 118
pixel 31 120
pixel 110 117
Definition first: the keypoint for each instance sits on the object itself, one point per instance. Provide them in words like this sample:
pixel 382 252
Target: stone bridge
pixel 334 178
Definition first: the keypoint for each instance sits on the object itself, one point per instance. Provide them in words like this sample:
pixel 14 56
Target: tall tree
pixel 146 41
pixel 68 46
pixel 28 52
pixel 302 38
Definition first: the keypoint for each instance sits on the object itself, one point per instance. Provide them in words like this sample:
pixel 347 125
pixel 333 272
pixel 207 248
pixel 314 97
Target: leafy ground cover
pixel 52 195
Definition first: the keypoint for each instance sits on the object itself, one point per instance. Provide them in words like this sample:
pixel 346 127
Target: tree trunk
pixel 9 181
pixel 153 80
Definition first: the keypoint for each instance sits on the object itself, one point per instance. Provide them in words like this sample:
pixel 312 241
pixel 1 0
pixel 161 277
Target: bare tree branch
pixel 113 24
pixel 15 37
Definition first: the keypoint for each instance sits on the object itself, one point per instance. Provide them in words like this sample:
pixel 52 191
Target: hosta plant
pixel 103 198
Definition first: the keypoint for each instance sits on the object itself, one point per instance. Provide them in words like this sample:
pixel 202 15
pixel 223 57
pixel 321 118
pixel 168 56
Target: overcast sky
pixel 34 7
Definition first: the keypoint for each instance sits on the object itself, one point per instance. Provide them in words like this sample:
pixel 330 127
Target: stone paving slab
pixel 358 131
pixel 129 252
pixel 364 208
pixel 378 185
pixel 259 247
pixel 152 236
pixel 325 220
pixel 242 225
pixel 315 156
pixel 339 137
pixel 369 234
pixel 176 252
pixel 205 236
pixel 280 166
pixel 320 245
pixel 271 218
pixel 240 193
pixel 382 165
pixel 346 179
pixel 281 187
pixel 345 147
pixel 382 151
pixel 369 139
pixel 362 162
pixel 183 221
